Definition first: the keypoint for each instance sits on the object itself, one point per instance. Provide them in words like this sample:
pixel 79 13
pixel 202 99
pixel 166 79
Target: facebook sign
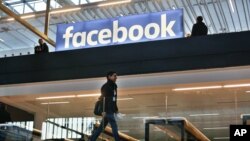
pixel 120 30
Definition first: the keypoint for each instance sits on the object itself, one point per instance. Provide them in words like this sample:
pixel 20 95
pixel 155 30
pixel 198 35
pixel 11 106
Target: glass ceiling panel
pixel 54 4
pixel 83 2
pixel 38 5
pixel 27 9
pixel 12 1
pixel 91 1
pixel 18 8
pixel 77 2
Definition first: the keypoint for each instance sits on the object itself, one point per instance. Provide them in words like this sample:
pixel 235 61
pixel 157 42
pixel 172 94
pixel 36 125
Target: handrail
pixel 188 126
pixel 169 132
pixel 123 136
pixel 194 131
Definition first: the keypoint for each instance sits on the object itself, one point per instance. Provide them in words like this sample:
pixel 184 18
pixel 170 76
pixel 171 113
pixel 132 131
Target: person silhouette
pixel 109 93
pixel 199 28
pixel 42 47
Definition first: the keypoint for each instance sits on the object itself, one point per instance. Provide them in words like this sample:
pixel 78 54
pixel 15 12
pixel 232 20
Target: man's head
pixel 199 19
pixel 111 75
pixel 40 41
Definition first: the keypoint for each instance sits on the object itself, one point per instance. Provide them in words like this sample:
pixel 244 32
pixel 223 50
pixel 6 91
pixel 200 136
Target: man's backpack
pixel 99 106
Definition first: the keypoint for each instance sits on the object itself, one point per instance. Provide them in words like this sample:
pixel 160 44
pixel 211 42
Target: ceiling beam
pixel 47 17
pixel 230 12
pixel 32 8
pixel 223 15
pixel 26 24
pixel 245 14
pixel 209 16
pixel 222 29
pixel 185 21
pixel 65 2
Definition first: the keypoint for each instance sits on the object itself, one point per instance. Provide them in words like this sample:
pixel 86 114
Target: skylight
pixel 38 5
pixel 12 1
pixel 91 1
pixel 77 2
pixel 54 4
pixel 18 8
pixel 27 9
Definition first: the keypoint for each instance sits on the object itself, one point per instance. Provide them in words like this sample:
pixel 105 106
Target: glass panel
pixel 76 2
pixel 39 6
pixel 27 9
pixel 54 4
pixel 19 8
pixel 91 1
pixel 12 1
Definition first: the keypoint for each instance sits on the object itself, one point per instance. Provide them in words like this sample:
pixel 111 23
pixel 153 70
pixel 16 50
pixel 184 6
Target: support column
pixel 47 17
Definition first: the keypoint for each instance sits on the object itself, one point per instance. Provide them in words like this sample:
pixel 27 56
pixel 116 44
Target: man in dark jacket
pixel 109 94
pixel 199 28
pixel 42 48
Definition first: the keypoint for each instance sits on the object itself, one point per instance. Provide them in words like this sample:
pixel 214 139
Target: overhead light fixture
pixel 197 115
pixel 22 17
pixel 114 3
pixel 27 16
pixel 237 85
pixel 10 19
pixel 1 40
pixel 120 99
pixel 221 138
pixel 49 103
pixel 56 97
pixel 197 88
pixel 88 95
pixel 231 5
pixel 65 10
pixel 216 128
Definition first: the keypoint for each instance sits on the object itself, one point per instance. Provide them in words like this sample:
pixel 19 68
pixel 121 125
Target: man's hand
pixel 103 114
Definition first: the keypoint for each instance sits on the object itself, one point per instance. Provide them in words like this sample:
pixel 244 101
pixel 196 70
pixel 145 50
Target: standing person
pixel 109 93
pixel 42 48
pixel 199 28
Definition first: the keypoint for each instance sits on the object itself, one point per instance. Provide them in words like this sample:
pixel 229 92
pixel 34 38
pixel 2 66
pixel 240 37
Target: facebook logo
pixel 120 30
pixel 239 132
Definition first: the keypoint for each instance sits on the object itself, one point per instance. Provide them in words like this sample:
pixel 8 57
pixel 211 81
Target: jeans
pixel 109 118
